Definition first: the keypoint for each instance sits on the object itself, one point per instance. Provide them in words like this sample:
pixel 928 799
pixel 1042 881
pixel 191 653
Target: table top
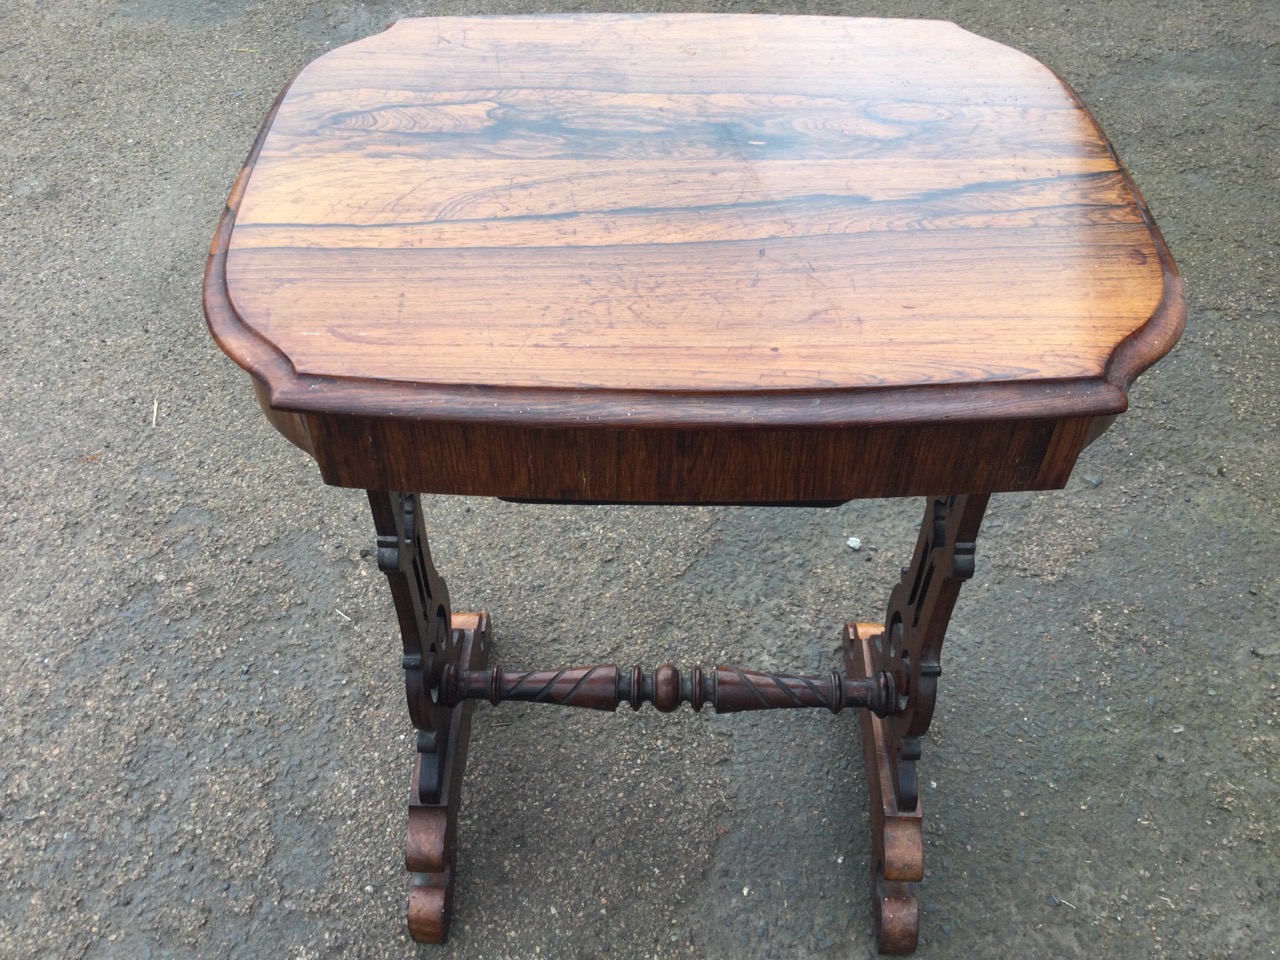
pixel 705 222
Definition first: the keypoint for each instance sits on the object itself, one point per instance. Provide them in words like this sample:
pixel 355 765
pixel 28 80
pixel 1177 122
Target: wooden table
pixel 687 259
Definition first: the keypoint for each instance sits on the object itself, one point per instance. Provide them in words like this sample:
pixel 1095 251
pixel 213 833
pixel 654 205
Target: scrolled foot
pixel 897 841
pixel 895 914
pixel 429 908
pixel 430 849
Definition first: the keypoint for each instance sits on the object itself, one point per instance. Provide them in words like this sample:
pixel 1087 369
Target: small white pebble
pixel 854 543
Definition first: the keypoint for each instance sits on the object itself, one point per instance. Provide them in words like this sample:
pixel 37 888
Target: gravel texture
pixel 205 750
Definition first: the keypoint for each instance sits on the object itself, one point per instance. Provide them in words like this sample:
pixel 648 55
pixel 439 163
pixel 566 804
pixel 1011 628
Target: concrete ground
pixel 204 747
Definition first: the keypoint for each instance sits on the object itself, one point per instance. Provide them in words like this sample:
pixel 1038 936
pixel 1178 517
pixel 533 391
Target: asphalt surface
pixel 205 749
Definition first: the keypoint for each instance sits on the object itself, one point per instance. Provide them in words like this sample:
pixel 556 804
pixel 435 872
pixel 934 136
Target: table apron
pixel 673 466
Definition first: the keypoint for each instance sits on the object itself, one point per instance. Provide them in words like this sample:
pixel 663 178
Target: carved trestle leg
pixel 433 638
pixel 891 672
pixel 908 647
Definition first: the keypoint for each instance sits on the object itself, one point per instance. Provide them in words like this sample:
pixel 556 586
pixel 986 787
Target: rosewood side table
pixel 685 259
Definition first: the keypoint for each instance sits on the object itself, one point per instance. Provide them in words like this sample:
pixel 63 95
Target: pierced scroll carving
pixel 433 639
pixel 908 646
pixel 891 673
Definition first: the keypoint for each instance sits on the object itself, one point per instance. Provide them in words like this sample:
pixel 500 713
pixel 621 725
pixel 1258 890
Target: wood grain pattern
pixel 708 465
pixel 683 221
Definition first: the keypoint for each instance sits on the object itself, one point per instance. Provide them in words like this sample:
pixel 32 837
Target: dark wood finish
pixel 434 639
pixel 897 841
pixel 713 465
pixel 431 840
pixel 592 259
pixel 919 610
pixel 421 601
pixel 428 910
pixel 726 689
pixel 686 259
pixel 908 647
